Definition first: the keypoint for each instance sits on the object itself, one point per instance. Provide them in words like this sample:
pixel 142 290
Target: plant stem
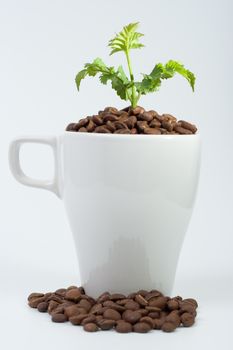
pixel 133 99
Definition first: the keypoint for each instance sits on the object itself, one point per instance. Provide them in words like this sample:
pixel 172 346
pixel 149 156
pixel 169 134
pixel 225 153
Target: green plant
pixel 128 88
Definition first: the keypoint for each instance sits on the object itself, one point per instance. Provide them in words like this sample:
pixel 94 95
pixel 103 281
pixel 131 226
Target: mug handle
pixel 52 185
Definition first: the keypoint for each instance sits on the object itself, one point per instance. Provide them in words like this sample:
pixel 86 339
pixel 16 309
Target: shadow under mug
pixel 128 199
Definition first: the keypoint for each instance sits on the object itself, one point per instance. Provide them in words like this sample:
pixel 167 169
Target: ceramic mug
pixel 128 200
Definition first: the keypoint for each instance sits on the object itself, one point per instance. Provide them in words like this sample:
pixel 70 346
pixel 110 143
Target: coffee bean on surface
pixel 168 327
pixel 148 320
pixel 43 307
pixel 59 318
pixel 105 325
pixel 77 320
pixel 111 314
pixel 132 305
pixel 131 316
pixel 173 304
pixel 141 300
pixel 141 327
pixel 187 319
pixel 124 327
pixel 73 295
pixel 135 312
pixel 90 327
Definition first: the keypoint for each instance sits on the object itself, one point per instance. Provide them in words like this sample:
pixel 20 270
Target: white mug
pixel 128 198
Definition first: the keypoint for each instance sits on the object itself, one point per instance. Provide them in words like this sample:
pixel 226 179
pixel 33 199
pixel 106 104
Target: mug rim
pixel 126 136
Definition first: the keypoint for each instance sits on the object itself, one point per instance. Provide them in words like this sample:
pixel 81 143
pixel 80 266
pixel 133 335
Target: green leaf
pixel 118 78
pixel 152 81
pixel 127 39
pixel 81 75
pixel 172 67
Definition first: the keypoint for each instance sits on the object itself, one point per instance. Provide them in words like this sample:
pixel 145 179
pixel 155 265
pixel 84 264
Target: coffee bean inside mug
pixel 140 312
pixel 132 121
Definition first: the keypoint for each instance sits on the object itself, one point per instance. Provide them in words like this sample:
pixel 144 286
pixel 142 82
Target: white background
pixel 43 44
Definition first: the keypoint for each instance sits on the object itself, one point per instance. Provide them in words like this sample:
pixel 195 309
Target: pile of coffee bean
pixel 138 312
pixel 132 121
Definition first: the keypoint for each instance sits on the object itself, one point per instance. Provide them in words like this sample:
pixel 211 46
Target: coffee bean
pixel 59 318
pixel 158 322
pixel 89 319
pixel 147 116
pixel 117 296
pixel 110 110
pixel 124 327
pixel 133 295
pixel 52 306
pixel 143 312
pixel 152 294
pixel 142 125
pixel 192 301
pixel 173 304
pixel 102 130
pixel 98 319
pixel 110 117
pixel 173 318
pixel 141 327
pixel 131 316
pixel 122 301
pixel 61 292
pixel 143 293
pixel 153 308
pixel 85 304
pixel 167 125
pixel 152 131
pixel 122 131
pixel 72 287
pixel 111 314
pixel 97 120
pixel 168 327
pixel 187 319
pixel 154 123
pixel 73 295
pixel 90 126
pixel 95 308
pixel 105 325
pixel 77 320
pixel 148 320
pixel 74 310
pixel 110 304
pixel 159 302
pixel 103 297
pixel 110 126
pixel 70 127
pixel 130 122
pixel 90 327
pixel 137 110
pixel 188 126
pixel 187 307
pixel 182 130
pixel 133 131
pixel 154 314
pixel 56 298
pixel 43 307
pixel 168 118
pixel 132 305
pixel 34 302
pixel 120 125
pixel 141 300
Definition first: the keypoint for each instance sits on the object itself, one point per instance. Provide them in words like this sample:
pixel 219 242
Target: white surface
pixel 43 44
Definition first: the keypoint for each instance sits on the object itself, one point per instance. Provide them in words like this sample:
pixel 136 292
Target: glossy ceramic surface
pixel 128 199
